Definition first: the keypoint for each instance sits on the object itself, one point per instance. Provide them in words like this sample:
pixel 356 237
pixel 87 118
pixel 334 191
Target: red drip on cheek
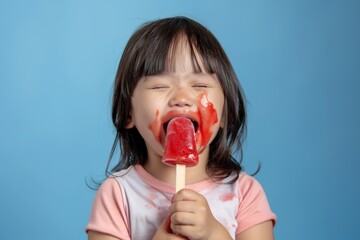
pixel 208 118
pixel 155 127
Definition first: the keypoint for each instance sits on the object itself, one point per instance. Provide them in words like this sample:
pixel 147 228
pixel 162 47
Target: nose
pixel 181 98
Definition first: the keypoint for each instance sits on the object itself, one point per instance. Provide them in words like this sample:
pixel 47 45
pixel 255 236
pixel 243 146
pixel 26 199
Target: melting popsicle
pixel 180 147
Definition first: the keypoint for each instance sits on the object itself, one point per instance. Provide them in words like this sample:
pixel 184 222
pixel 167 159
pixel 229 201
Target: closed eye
pixel 200 86
pixel 159 87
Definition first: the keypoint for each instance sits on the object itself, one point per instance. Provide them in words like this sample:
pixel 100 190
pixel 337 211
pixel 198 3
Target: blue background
pixel 299 64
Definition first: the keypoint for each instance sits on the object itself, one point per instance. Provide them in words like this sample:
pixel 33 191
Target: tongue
pixel 180 146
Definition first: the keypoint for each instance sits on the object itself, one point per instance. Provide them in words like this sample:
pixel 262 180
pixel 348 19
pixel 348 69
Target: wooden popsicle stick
pixel 180 177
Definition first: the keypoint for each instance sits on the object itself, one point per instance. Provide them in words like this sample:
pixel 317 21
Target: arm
pixel 263 231
pixel 92 235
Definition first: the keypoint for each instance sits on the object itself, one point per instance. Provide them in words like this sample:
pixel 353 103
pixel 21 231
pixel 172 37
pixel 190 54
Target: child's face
pixel 179 92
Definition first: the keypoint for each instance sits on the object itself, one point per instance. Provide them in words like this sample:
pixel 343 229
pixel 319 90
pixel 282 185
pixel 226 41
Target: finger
pixel 178 237
pixel 184 206
pixel 183 218
pixel 182 230
pixel 166 224
pixel 187 195
pixel 165 232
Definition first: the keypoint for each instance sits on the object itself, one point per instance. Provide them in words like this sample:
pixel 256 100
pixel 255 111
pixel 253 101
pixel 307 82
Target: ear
pixel 222 121
pixel 130 123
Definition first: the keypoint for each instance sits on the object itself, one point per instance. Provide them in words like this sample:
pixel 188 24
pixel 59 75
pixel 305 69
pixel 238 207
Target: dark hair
pixel 145 54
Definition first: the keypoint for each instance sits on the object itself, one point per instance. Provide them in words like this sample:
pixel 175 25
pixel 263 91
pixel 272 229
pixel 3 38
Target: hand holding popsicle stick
pixel 180 151
pixel 180 148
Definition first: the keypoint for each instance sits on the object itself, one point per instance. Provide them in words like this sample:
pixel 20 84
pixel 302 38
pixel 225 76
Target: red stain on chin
pixel 227 197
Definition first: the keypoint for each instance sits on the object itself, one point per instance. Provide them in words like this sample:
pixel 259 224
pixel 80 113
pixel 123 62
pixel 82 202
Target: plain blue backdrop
pixel 298 62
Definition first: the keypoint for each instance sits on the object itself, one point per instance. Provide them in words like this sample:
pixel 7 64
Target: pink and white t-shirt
pixel 132 204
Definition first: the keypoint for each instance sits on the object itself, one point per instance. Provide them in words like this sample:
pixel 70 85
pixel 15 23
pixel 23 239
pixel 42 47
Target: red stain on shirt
pixel 227 197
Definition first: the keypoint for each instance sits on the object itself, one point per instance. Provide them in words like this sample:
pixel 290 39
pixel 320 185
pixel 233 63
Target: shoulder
pixel 110 192
pixel 250 191
pixel 247 183
pixel 245 178
pixel 110 185
pixel 112 182
pixel 109 195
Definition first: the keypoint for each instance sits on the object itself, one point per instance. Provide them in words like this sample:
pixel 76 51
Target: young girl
pixel 176 67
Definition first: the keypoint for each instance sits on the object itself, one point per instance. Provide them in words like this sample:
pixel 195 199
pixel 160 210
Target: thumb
pixel 165 232
pixel 165 225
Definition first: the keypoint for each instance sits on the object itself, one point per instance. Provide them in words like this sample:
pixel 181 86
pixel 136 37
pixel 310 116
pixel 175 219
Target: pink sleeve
pixel 108 215
pixel 253 205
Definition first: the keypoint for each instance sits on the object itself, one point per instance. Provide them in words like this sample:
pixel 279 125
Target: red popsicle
pixel 180 147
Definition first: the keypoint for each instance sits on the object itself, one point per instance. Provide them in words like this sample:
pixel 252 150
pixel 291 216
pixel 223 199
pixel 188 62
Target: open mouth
pixel 195 123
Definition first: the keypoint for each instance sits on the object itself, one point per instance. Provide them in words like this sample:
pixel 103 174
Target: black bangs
pixel 157 49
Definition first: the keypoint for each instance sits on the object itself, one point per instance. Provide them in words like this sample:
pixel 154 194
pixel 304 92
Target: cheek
pixel 144 108
pixel 219 106
pixel 154 111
